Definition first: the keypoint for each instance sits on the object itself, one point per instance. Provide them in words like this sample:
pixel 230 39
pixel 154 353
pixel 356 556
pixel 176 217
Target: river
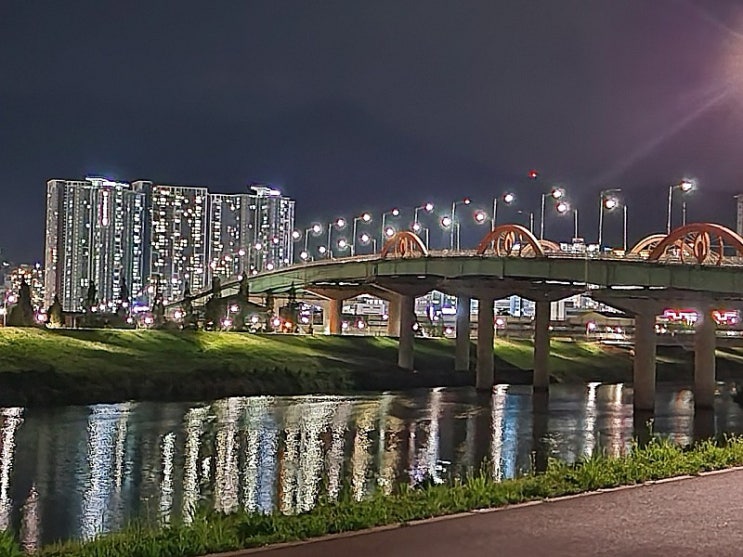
pixel 77 471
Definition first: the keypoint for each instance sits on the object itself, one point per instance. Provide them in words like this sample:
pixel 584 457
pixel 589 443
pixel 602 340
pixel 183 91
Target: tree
pixel 55 314
pixel 22 314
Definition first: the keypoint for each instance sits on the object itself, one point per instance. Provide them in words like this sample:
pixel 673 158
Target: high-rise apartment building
pixel 229 223
pixel 93 233
pixel 176 238
pixel 271 226
pixel 158 237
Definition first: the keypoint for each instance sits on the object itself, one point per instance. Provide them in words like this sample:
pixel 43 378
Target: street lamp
pixel 685 186
pixel 343 244
pixel 366 239
pixel 393 212
pixel 608 201
pixel 530 214
pixel 417 228
pixel 339 224
pixel 557 194
pixel 454 222
pixel 507 198
pixel 364 217
pixel 315 230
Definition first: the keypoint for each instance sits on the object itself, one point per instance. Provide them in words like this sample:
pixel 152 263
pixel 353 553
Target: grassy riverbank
pixel 39 367
pixel 210 533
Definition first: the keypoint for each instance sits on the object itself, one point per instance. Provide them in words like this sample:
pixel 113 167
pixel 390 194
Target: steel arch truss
pixel 701 243
pixel 513 240
pixel 404 244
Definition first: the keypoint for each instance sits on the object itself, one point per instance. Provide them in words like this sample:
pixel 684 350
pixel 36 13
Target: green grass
pixel 212 532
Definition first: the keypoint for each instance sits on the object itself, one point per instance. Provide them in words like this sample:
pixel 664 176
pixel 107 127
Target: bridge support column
pixel 334 318
pixel 462 350
pixel 393 316
pixel 485 333
pixel 541 380
pixel 704 361
pixel 407 335
pixel 644 363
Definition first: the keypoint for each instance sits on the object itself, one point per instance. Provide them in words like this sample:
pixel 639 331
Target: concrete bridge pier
pixel 644 362
pixel 704 361
pixel 405 357
pixel 462 350
pixel 333 316
pixel 485 336
pixel 541 379
pixel 393 316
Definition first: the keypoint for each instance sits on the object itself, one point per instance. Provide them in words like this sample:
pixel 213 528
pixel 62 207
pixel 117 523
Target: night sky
pixel 351 105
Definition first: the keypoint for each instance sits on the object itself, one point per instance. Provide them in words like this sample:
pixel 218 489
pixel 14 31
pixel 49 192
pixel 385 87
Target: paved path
pixel 701 516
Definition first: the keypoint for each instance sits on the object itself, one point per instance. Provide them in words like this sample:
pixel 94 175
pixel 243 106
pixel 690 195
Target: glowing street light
pixel 363 217
pixel 394 213
pixel 417 227
pixel 366 239
pixel 556 194
pixel 607 201
pixel 465 201
pixel 507 198
pixel 685 186
pixel 389 232
pixel 296 235
pixel 338 224
pixel 315 230
pixel 480 217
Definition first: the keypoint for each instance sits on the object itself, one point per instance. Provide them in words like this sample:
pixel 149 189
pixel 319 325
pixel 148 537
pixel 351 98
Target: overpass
pixel 698 265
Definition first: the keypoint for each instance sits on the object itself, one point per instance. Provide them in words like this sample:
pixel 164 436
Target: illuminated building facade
pixel 176 239
pixel 270 229
pixel 229 222
pixel 34 275
pixel 93 233
pixel 158 238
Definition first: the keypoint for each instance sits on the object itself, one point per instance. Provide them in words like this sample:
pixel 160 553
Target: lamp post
pixel 366 239
pixel 465 201
pixel 316 230
pixel 531 218
pixel 507 198
pixel 448 223
pixel 556 193
pixel 339 223
pixel 394 213
pixel 609 201
pixel 575 225
pixel 365 217
pixel 343 244
pixel 685 186
pixel 417 228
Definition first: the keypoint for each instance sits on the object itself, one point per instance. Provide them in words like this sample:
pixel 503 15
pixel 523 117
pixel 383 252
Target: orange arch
pixel 696 240
pixel 647 243
pixel 511 239
pixel 404 244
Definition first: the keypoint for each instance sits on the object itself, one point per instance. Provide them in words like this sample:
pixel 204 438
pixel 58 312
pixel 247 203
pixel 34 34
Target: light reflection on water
pixel 79 471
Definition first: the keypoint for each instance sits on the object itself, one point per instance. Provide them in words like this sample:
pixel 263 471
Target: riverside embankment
pixel 40 367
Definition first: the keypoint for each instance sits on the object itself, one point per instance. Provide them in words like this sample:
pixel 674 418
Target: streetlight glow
pixel 389 232
pixel 562 207
pixel 428 207
pixel 480 217
pixel 509 198
pixel 446 221
pixel 296 234
pixel 316 228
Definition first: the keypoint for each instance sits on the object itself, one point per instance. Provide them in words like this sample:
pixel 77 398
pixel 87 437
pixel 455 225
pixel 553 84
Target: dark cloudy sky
pixel 348 105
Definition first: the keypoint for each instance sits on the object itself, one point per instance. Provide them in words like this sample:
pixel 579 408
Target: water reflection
pixel 76 472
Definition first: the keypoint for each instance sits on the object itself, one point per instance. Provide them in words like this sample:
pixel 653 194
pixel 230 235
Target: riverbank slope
pixel 40 367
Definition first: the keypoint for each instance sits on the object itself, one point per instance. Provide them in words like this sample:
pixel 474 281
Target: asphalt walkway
pixel 700 516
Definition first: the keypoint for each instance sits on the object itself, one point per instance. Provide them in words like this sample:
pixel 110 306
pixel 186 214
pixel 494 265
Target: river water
pixel 77 471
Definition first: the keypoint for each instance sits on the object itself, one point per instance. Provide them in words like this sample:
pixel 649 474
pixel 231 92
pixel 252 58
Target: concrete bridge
pixel 698 265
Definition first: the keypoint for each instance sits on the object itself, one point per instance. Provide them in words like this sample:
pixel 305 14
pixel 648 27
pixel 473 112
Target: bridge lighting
pixel 364 238
pixel 446 221
pixel 389 232
pixel 342 243
pixel 685 186
pixel 269 266
pixel 258 246
pixel 562 207
pixel 480 217
pixel 340 223
pixel 610 203
pixel 303 255
pixel 296 235
pixel 428 207
pixel 509 198
pixel 417 227
pixel 316 228
pixel 322 250
pixel 366 217
pixel 555 193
